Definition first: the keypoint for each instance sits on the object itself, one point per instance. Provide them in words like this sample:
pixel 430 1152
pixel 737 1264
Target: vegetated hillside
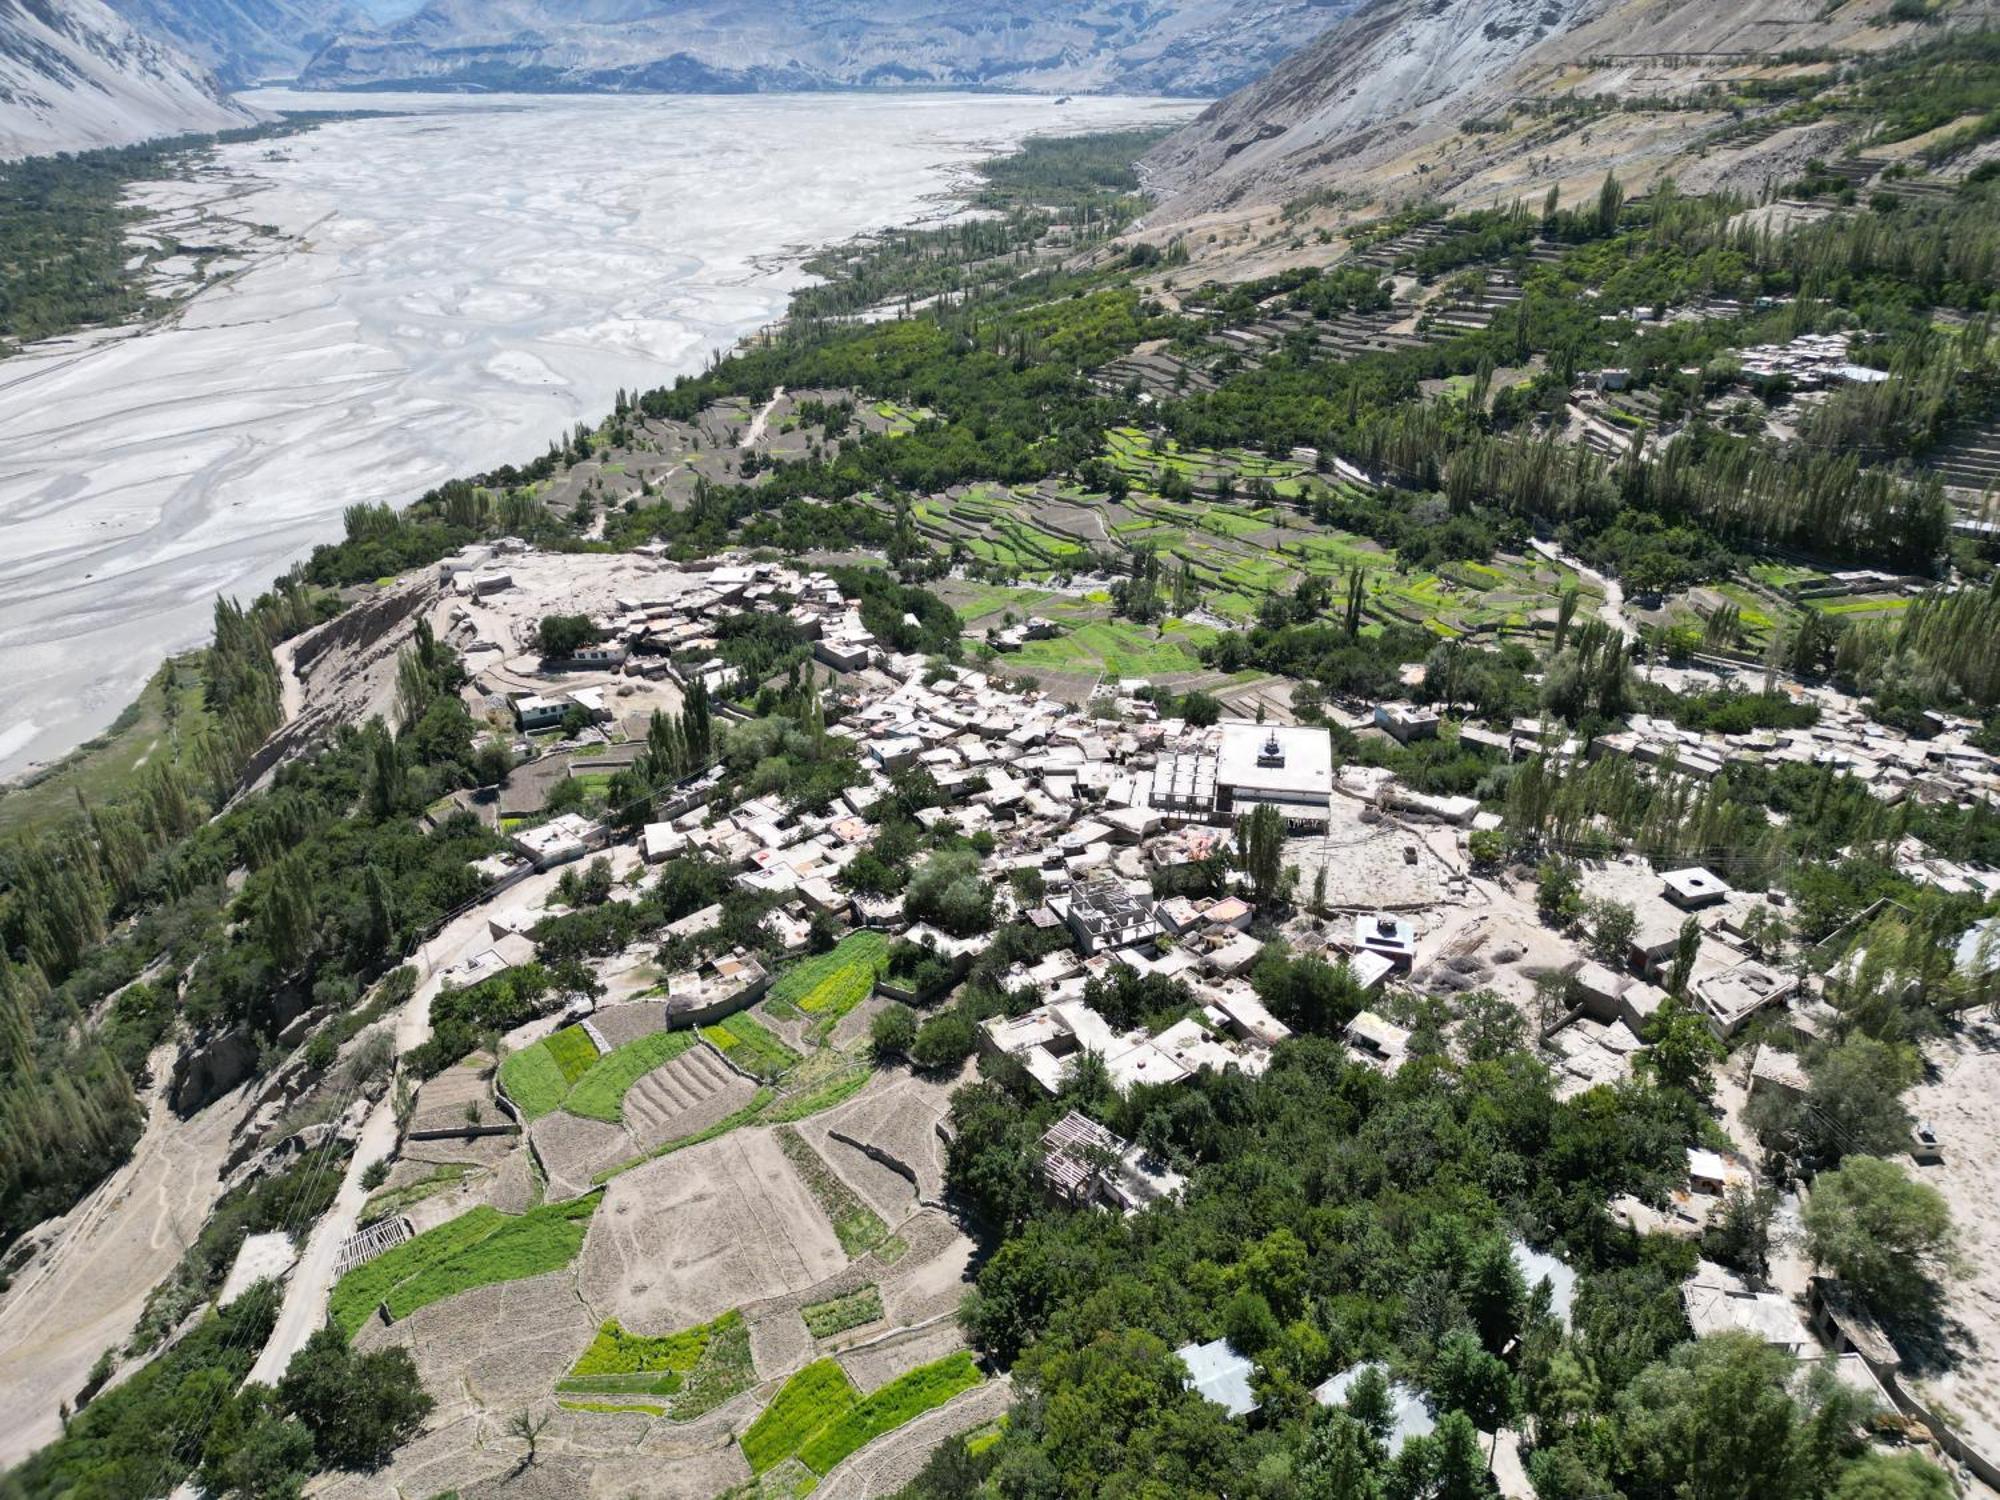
pixel 1176 47
pixel 243 41
pixel 74 74
pixel 1484 99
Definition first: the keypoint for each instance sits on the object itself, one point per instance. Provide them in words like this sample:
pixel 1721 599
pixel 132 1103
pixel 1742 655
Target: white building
pixel 1288 767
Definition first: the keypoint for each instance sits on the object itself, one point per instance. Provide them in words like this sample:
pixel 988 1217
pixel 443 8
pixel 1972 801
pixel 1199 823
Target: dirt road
pixel 304 1309
pixel 86 1292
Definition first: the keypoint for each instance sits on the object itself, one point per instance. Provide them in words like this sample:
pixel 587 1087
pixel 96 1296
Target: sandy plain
pixel 442 291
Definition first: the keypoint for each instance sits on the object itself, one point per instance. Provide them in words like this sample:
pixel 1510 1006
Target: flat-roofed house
pixel 1103 914
pixel 1286 767
pixel 1693 888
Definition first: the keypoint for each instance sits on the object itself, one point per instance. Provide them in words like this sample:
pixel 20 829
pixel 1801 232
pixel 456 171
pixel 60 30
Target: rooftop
pixel 1409 1414
pixel 1296 759
pixel 1219 1373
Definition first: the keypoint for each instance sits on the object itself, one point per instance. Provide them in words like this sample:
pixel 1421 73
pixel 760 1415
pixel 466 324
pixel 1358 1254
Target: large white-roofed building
pixel 1286 766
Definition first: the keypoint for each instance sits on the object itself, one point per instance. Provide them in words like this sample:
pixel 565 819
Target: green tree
pixel 1612 924
pixel 948 891
pixel 893 1032
pixel 1853 1104
pixel 1687 946
pixel 1260 849
pixel 1882 1232
pixel 1681 1050
pixel 560 636
pixel 1900 1476
pixel 358 1407
pixel 1340 1462
pixel 1465 1377
pixel 1713 1420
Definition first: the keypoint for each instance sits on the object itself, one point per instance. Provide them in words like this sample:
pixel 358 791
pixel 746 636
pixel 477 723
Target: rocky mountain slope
pixel 1477 100
pixel 1192 47
pixel 74 74
pixel 243 41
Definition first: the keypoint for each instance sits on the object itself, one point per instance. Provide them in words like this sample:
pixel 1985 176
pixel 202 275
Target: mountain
pixel 74 74
pixel 1484 100
pixel 1191 47
pixel 244 41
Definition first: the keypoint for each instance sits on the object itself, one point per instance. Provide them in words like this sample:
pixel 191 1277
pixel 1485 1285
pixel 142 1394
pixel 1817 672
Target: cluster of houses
pixel 1809 362
pixel 1892 766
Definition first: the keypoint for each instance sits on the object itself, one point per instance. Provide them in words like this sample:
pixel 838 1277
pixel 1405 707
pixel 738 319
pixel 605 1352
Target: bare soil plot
pixel 1369 864
pixel 935 1273
pixel 716 1226
pixel 457 1097
pixel 619 1024
pixel 884 1141
pixel 1962 1379
pixel 492 1346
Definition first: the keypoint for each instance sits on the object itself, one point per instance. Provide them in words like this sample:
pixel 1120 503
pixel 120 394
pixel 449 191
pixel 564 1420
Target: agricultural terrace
pixel 478 1248
pixel 679 1376
pixel 838 1315
pixel 747 1043
pixel 600 1093
pixel 538 1078
pixel 828 986
pixel 857 1226
pixel 1238 525
pixel 819 1418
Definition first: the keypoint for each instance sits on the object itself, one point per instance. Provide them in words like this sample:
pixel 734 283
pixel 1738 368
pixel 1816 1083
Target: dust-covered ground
pixel 83 1291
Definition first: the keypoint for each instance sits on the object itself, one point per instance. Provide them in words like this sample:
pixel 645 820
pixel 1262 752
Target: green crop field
pixel 750 1046
pixel 478 1248
pixel 907 1396
pixel 1122 648
pixel 816 1396
pixel 694 1370
pixel 832 984
pixel 600 1093
pixel 536 1078
pixel 825 1319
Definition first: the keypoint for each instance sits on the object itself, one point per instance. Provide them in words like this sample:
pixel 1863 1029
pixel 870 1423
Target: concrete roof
pixel 1219 1373
pixel 1537 1266
pixel 1302 764
pixel 1410 1414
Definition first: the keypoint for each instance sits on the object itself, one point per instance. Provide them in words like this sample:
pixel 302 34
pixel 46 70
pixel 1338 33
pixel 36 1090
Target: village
pixel 751 1165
